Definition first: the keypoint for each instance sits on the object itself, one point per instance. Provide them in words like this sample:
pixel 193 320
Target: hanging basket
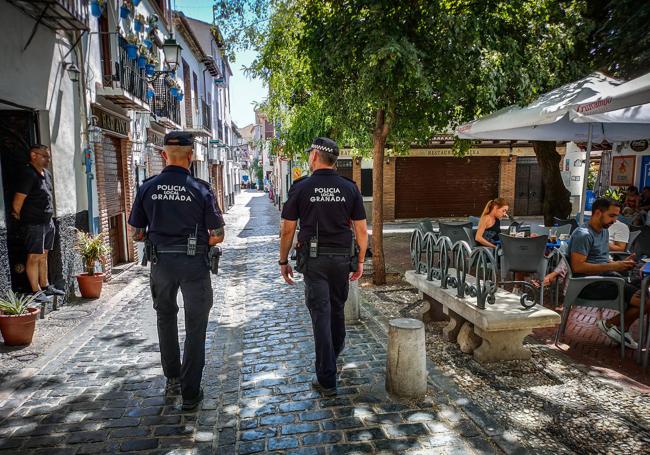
pixel 142 61
pixel 136 2
pixel 149 69
pixel 173 91
pixel 138 26
pixel 148 43
pixel 96 9
pixel 179 96
pixel 150 92
pixel 125 12
pixel 131 51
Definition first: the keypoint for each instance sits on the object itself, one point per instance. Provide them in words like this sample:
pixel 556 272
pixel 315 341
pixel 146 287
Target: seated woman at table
pixel 632 198
pixel 489 226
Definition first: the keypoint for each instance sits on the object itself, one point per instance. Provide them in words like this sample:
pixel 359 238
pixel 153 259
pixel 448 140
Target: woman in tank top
pixel 489 226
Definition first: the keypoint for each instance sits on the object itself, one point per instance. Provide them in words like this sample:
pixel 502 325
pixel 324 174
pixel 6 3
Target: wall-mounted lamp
pixel 357 160
pixel 73 71
pixel 510 158
pixel 578 163
pixel 387 160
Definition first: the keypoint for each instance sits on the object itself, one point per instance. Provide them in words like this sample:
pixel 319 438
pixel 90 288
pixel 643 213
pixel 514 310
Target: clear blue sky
pixel 243 91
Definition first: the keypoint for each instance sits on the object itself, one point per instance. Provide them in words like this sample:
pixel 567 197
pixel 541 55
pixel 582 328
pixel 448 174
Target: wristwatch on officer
pixel 285 262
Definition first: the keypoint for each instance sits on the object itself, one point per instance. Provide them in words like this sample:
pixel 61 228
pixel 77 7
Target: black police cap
pixel 324 144
pixel 181 138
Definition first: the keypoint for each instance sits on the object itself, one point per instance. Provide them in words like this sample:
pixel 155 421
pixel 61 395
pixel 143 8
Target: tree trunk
pixel 378 142
pixel 557 199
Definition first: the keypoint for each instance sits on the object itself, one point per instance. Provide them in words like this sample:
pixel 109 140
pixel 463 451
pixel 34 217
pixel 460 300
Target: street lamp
pixel 73 71
pixel 172 51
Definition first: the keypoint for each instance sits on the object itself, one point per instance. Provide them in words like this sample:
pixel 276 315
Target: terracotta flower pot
pixel 90 286
pixel 19 330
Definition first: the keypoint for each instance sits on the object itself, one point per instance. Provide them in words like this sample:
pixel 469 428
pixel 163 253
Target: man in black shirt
pixel 33 206
pixel 329 208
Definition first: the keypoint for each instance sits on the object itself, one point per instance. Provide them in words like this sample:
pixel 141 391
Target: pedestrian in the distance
pixel 179 217
pixel 330 210
pixel 33 207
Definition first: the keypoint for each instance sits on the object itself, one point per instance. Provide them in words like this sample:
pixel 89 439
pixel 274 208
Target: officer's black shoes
pixel 51 290
pixel 327 391
pixel 173 386
pixel 190 405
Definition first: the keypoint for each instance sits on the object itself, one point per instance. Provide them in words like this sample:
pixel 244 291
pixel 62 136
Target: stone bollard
pixel 406 366
pixel 353 304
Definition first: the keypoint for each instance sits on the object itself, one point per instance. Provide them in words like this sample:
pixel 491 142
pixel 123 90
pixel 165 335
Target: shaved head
pixel 178 155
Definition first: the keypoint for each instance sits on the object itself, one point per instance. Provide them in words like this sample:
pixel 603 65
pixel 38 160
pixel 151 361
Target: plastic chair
pixel 571 298
pixel 425 226
pixel 564 229
pixel 537 230
pixel 457 232
pixel 524 254
pixel 560 222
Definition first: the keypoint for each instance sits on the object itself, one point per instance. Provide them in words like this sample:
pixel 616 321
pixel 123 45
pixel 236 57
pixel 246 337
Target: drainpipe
pixel 85 124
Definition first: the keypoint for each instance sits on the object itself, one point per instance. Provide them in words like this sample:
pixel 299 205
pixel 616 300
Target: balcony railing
pixel 126 85
pixel 200 124
pixel 165 107
pixel 57 14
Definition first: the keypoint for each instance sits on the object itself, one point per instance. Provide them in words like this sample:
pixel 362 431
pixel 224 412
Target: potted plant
pixel 131 46
pixel 150 91
pixel 173 89
pixel 92 249
pixel 17 318
pixel 179 95
pixel 142 56
pixel 152 62
pixel 138 23
pixel 136 2
pixel 125 9
pixel 97 7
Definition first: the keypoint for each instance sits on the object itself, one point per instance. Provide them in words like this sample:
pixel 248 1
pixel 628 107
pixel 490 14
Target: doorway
pixel 114 187
pixel 18 131
pixel 529 188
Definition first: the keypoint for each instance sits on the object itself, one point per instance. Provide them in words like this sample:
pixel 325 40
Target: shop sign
pixel 155 139
pixel 639 146
pixel 110 122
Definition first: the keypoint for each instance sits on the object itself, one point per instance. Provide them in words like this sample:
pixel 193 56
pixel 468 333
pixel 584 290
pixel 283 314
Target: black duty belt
pixel 330 251
pixel 180 250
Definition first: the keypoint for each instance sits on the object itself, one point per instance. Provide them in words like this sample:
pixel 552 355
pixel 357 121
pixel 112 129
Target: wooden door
pixel 529 188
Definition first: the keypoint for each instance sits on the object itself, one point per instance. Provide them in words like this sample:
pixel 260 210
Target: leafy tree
pixel 375 72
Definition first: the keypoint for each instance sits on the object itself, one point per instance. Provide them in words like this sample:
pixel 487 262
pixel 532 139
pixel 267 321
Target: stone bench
pixel 502 326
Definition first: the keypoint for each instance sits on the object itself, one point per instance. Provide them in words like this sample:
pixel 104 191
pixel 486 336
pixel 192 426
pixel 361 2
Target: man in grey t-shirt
pixel 589 255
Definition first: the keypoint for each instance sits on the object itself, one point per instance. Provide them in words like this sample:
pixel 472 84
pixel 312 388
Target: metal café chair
pixel 536 229
pixel 526 255
pixel 474 220
pixel 457 232
pixel 571 298
pixel 571 222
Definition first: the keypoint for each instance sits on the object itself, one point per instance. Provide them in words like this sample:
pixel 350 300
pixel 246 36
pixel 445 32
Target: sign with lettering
pixel 623 170
pixel 110 122
pixel 156 139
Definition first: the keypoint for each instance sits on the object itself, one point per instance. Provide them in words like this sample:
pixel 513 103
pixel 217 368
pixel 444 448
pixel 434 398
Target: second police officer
pixel 330 210
pixel 178 215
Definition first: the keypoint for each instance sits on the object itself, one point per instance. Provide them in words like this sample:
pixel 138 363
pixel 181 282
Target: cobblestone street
pixel 103 392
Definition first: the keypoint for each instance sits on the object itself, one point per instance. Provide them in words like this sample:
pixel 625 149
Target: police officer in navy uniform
pixel 330 210
pixel 179 217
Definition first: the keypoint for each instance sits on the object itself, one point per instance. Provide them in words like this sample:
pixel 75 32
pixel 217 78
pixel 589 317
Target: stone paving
pixel 103 392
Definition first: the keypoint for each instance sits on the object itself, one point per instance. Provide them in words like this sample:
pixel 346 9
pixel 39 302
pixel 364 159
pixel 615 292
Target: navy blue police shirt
pixel 329 201
pixel 172 204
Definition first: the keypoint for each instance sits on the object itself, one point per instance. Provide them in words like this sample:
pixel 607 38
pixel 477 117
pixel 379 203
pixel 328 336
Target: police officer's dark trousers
pixel 326 290
pixel 190 274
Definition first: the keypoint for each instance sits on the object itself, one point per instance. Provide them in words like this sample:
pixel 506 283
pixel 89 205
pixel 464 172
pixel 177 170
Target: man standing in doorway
pixel 33 206
pixel 330 210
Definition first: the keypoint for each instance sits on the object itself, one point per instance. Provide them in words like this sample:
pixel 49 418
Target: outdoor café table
pixel 645 273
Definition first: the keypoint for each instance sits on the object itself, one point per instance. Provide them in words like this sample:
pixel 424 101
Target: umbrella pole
pixel 583 199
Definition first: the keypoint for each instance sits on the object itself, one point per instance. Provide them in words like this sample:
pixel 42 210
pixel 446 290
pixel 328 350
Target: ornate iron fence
pixel 435 256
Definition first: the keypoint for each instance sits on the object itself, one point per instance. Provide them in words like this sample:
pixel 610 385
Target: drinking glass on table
pixel 513 230
pixel 552 235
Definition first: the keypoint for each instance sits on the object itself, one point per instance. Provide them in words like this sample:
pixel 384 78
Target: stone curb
pixel 378 326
